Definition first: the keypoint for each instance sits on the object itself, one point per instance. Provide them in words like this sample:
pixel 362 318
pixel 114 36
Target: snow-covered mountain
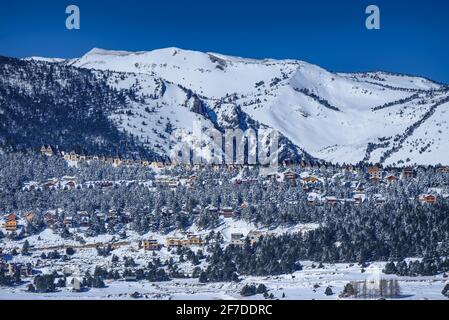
pixel 337 117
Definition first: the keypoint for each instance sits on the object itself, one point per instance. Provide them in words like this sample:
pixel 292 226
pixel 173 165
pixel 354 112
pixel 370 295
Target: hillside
pixel 337 117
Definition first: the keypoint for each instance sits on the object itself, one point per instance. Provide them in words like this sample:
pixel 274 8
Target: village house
pixel 407 173
pixel 374 173
pixel 212 209
pixel 68 185
pixel 313 198
pixel 244 205
pixel 173 184
pixel 31 186
pixel 290 175
pixel 84 219
pixel 73 156
pixel 190 240
pixel 157 165
pixel 443 169
pixel 331 200
pixel 11 222
pixel 49 219
pixel 47 151
pixel 227 212
pixel 194 240
pixel 427 198
pixel 29 216
pixel 391 178
pixel 237 239
pixel 273 177
pixel 68 221
pixel 359 198
pixel 117 161
pixel 173 242
pixel 150 245
pixel 309 182
pixel 50 184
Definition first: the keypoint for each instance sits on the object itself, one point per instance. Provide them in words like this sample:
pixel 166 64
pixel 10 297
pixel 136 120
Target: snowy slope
pixel 337 117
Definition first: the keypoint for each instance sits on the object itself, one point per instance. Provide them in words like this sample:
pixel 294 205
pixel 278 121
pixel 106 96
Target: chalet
pixel 330 200
pixel 157 165
pixel 313 198
pixel 290 175
pixel 29 216
pixel 374 173
pixel 407 173
pixel 443 169
pixel 150 245
pixel 227 212
pixel 359 198
pixel 173 242
pixel 130 279
pixel 11 217
pixel 274 177
pixel 104 184
pixel 84 219
pixel 244 205
pixel 235 236
pixel 427 198
pixel 309 180
pixel 49 219
pixel 47 151
pixel 145 163
pixel 194 240
pixel 11 222
pixel 190 240
pixel 173 184
pixel 68 221
pixel 31 186
pixel 237 239
pixel 391 178
pixel 212 209
pixel 73 156
pixel 68 185
pixel 50 184
pixel 117 161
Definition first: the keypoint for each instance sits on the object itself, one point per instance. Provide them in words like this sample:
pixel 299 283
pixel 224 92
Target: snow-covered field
pixel 307 284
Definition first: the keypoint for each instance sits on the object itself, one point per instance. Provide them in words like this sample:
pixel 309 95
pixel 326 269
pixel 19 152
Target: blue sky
pixel 414 35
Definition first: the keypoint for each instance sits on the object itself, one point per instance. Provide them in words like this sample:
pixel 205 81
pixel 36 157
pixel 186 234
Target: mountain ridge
pixel 336 117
